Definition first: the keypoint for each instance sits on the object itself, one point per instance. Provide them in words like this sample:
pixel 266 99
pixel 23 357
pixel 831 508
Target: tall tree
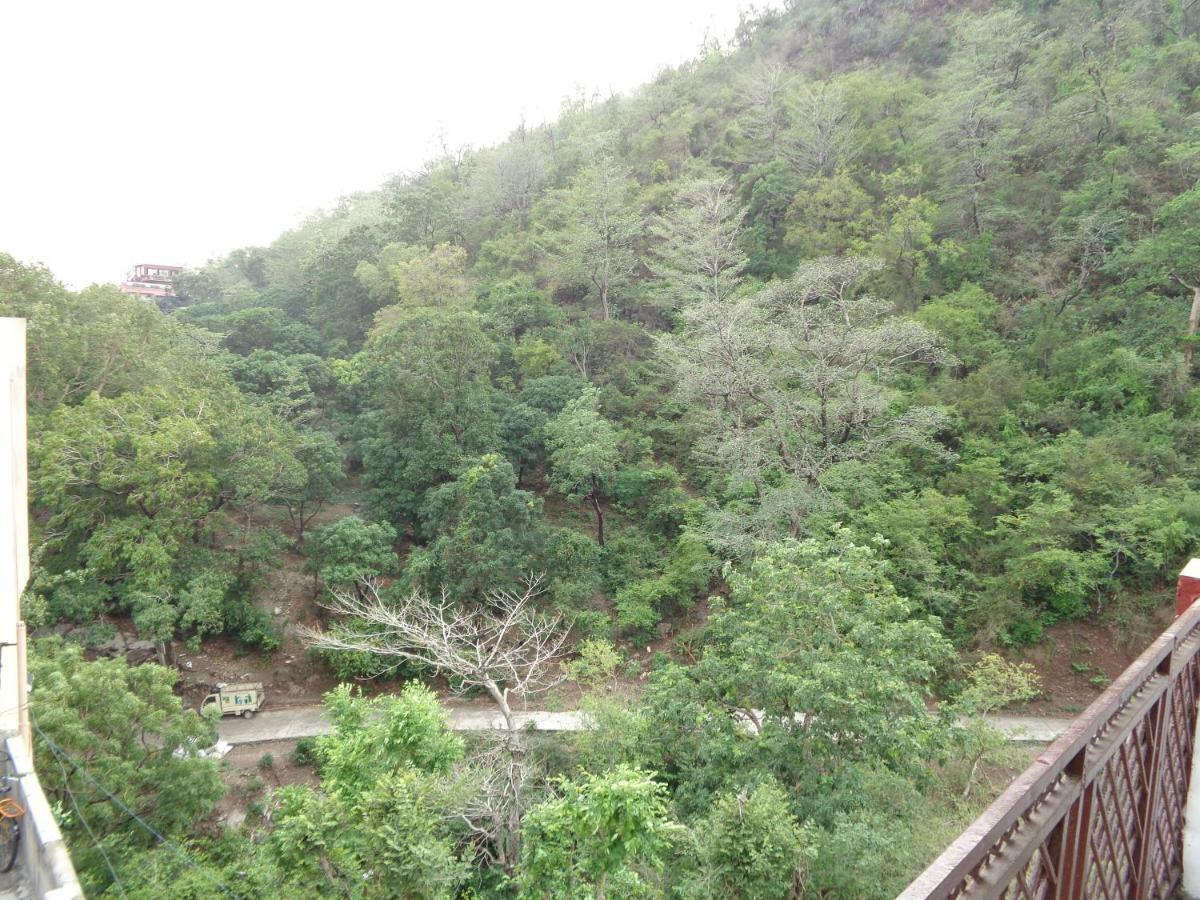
pixel 583 453
pixel 698 243
pixel 597 247
pixel 797 380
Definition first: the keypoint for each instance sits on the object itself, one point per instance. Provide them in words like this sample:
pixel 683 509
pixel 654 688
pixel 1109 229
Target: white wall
pixel 14 511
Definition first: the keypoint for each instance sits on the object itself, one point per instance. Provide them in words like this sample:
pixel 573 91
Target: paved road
pixel 308 721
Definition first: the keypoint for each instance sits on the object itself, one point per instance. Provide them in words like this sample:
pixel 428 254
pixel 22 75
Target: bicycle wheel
pixel 10 839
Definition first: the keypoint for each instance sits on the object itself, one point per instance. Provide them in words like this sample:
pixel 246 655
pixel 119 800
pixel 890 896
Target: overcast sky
pixel 173 132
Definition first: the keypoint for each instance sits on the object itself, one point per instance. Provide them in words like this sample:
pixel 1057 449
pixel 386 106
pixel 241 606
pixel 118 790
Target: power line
pixel 182 854
pixel 79 812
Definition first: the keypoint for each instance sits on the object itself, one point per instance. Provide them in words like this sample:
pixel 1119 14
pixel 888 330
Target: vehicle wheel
pixel 247 714
pixel 10 839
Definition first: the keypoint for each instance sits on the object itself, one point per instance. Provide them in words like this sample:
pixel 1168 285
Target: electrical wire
pixel 79 812
pixel 178 851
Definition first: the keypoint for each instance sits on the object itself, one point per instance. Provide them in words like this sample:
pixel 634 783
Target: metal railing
pixel 1100 814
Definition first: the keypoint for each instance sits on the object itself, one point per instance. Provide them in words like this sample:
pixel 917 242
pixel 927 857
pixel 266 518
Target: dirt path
pixel 309 721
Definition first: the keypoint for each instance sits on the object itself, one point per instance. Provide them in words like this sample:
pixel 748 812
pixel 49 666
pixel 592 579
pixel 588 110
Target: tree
pixel 750 847
pixel 597 245
pixel 324 470
pixel 975 122
pixel 820 658
pixel 592 839
pixel 825 134
pixel 484 532
pixel 1169 254
pixel 98 341
pixel 993 683
pixel 428 399
pixel 377 826
pixel 502 646
pixel 104 727
pixel 583 453
pixel 351 549
pixel 698 249
pixel 797 380
pixel 135 490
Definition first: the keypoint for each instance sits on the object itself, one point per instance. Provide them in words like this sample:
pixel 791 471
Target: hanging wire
pixel 79 812
pixel 178 851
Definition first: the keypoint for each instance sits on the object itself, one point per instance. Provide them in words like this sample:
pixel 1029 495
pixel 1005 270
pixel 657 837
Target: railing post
pixel 1187 589
pixel 1156 735
pixel 1068 843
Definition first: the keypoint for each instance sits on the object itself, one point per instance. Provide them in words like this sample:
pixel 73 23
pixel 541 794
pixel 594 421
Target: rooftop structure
pixel 151 280
pixel 43 867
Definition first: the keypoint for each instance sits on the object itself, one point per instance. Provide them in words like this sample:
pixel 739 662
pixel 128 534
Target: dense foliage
pixel 829 358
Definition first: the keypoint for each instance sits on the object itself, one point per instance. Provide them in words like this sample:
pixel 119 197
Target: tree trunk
pixel 509 840
pixel 1189 349
pixel 594 499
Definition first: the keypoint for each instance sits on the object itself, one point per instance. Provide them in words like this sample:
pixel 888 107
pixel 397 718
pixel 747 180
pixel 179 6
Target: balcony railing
pixel 1100 814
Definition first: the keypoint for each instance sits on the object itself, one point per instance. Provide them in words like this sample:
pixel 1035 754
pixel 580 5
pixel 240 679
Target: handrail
pixel 1100 812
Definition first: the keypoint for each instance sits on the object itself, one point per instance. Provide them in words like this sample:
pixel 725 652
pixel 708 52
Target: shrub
pixel 597 663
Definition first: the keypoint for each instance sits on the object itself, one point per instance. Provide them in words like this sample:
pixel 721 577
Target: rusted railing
pixel 1100 813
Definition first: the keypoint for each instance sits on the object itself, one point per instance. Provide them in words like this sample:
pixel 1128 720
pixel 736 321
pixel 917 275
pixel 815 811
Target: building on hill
pixel 151 280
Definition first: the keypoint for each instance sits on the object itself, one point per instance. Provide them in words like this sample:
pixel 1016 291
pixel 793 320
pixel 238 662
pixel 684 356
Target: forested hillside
pixel 828 364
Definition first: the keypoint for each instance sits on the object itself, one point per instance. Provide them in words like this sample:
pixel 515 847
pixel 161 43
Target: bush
pixel 359 665
pixel 597 663
pixel 305 753
pixel 638 607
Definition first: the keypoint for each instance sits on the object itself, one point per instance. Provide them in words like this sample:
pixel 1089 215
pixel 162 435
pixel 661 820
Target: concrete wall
pixel 14 511
pixel 43 859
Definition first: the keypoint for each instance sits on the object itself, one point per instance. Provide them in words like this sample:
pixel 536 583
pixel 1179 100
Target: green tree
pixel 135 490
pixel 107 728
pixel 596 247
pixel 485 532
pixel 583 453
pixel 350 550
pixel 377 826
pixel 815 645
pixel 598 838
pixel 428 405
pixel 750 846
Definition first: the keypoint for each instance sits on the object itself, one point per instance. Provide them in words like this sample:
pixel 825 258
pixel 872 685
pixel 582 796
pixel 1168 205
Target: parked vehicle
pixel 242 699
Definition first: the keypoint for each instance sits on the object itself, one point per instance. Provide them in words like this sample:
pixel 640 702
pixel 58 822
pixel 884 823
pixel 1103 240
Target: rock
pixel 278 611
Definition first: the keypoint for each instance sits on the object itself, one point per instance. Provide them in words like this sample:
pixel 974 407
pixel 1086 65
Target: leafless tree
pixel 697 251
pixel 797 379
pixel 826 133
pixel 504 645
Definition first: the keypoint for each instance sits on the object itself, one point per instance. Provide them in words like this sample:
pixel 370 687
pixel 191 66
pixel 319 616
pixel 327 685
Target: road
pixel 309 721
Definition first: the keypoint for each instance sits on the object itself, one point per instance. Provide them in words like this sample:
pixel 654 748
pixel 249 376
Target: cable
pixel 182 854
pixel 79 812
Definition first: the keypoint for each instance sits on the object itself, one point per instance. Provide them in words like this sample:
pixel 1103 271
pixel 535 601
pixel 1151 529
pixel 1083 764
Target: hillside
pixel 808 377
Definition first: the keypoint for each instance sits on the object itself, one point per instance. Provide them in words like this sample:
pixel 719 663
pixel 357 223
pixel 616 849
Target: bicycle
pixel 10 832
pixel 10 813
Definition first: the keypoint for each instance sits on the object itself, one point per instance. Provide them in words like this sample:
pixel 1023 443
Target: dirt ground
pixel 251 771
pixel 1076 661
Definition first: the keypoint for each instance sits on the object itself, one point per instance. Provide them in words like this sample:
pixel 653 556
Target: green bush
pixel 597 662
pixel 305 752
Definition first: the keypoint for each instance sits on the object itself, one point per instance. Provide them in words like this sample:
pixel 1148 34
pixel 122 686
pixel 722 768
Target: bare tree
pixel 797 380
pixel 504 646
pixel 826 133
pixel 697 253
pixel 597 246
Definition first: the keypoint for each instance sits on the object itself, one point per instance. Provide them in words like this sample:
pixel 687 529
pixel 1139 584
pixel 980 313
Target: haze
pixel 173 133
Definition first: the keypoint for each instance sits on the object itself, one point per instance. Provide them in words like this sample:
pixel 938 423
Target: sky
pixel 173 132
